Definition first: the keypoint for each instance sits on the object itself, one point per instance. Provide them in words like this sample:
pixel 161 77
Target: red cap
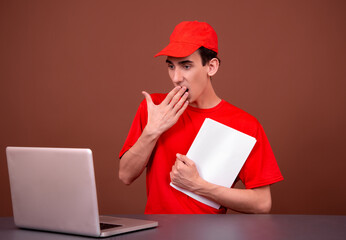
pixel 187 37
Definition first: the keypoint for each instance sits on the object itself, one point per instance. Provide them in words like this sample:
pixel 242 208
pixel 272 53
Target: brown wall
pixel 72 72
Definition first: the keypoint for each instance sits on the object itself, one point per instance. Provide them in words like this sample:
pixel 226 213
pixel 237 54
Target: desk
pixel 203 227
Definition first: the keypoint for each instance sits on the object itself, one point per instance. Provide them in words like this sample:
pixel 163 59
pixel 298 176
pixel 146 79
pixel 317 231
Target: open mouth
pixel 186 90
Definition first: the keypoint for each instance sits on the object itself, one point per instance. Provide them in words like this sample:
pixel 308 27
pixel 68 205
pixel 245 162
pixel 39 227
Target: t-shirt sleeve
pixel 261 168
pixel 138 124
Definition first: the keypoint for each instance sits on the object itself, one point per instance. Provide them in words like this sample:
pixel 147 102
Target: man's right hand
pixel 163 116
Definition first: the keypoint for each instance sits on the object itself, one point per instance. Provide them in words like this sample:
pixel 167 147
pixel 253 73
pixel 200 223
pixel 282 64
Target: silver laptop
pixel 53 189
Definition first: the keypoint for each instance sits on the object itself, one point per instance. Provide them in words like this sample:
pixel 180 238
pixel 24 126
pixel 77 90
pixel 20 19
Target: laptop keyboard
pixel 104 226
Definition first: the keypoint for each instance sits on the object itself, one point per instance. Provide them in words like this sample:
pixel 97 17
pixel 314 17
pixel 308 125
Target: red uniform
pixel 260 168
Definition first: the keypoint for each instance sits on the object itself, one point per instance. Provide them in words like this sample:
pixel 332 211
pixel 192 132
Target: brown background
pixel 72 73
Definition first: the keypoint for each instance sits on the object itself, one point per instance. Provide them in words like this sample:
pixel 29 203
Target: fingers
pixel 182 109
pixel 180 157
pixel 174 96
pixel 180 162
pixel 171 94
pixel 180 102
pixel 176 169
pixel 184 159
pixel 163 116
pixel 184 172
pixel 179 97
pixel 147 97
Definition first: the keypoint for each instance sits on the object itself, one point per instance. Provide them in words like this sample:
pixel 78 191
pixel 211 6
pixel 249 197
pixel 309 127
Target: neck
pixel 208 99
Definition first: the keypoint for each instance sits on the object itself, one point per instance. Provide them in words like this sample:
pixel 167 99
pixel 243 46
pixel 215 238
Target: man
pixel 166 124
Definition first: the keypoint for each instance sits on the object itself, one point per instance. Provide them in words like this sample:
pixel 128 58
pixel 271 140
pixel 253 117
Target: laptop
pixel 53 189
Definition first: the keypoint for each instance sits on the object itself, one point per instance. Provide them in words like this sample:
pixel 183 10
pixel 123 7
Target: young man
pixel 166 124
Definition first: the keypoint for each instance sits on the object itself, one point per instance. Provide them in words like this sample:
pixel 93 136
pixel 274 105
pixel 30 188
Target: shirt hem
pixel 264 183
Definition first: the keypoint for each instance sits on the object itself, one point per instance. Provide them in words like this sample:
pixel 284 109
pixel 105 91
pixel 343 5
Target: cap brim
pixel 178 50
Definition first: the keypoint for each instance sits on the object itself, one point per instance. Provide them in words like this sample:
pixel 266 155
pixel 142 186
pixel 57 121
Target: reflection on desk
pixel 237 226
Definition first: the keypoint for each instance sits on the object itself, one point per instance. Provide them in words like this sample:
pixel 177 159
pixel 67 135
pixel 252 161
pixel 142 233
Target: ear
pixel 213 67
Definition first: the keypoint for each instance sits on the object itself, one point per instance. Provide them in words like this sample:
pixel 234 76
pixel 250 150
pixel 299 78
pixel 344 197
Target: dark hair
pixel 207 55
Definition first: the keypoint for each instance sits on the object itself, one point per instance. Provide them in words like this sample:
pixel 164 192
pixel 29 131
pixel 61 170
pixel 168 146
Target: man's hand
pixel 163 116
pixel 184 174
pixel 160 118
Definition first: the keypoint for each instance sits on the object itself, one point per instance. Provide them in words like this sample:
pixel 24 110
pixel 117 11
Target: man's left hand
pixel 184 173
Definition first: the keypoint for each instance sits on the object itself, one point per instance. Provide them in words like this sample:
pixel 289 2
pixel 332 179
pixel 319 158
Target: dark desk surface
pixel 237 226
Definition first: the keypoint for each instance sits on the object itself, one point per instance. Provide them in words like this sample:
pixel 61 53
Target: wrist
pixel 200 186
pixel 204 188
pixel 151 132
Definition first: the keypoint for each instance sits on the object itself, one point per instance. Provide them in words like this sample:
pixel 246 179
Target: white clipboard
pixel 219 153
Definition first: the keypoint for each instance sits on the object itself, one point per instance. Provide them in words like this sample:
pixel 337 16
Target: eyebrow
pixel 181 62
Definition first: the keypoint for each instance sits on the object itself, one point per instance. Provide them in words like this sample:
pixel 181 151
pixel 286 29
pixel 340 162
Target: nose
pixel 177 77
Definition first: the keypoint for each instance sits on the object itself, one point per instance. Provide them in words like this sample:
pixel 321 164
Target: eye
pixel 170 66
pixel 186 67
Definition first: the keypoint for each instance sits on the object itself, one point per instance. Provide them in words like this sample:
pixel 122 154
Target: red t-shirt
pixel 260 168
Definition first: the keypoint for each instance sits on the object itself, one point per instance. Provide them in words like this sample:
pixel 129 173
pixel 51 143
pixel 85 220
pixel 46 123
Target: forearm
pixel 134 161
pixel 256 200
pixel 184 174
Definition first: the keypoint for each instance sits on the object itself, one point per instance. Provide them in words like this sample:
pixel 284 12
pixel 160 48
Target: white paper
pixel 219 153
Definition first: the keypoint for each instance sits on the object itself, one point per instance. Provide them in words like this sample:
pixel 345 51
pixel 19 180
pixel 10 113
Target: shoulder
pixel 240 119
pixel 239 113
